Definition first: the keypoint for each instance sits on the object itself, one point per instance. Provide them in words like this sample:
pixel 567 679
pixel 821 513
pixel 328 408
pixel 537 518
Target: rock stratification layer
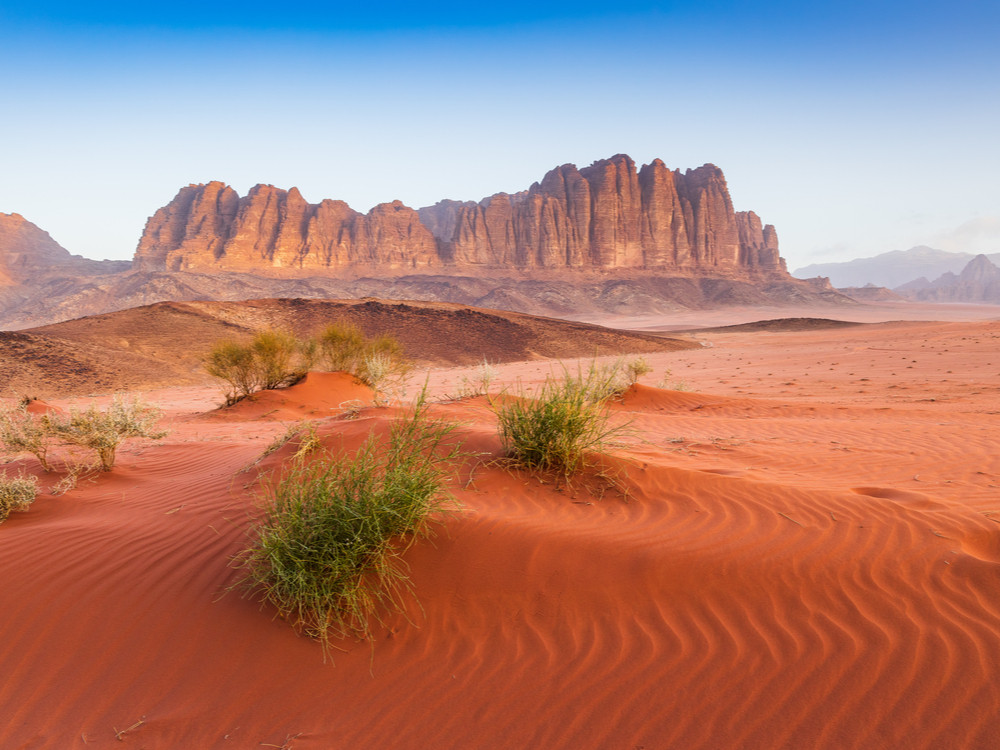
pixel 606 216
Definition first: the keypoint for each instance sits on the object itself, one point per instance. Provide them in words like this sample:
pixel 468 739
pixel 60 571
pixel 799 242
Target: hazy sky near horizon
pixel 854 127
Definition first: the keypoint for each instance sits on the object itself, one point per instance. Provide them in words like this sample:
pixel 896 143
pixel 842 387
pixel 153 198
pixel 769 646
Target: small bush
pixel 233 363
pixel 24 432
pixel 342 347
pixel 16 493
pixel 327 553
pixel 554 428
pixel 103 431
pixel 379 363
pixel 636 368
pixel 276 355
pixel 272 359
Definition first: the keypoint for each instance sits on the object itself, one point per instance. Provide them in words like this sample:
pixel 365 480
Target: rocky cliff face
pixel 207 226
pixel 606 216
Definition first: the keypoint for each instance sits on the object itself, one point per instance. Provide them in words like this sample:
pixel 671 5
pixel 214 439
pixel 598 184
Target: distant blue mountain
pixel 892 269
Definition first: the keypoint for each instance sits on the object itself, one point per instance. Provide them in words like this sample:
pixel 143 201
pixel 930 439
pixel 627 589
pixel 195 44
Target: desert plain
pixel 800 548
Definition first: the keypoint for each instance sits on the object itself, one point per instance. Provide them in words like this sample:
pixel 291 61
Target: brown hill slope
pixel 160 344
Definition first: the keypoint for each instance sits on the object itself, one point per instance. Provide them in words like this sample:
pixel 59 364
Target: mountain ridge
pixel 890 269
pixel 609 215
pixel 608 238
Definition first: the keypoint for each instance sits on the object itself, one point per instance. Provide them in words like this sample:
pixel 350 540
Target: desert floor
pixel 807 556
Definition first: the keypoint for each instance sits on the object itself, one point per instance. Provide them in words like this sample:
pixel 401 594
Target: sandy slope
pixel 808 557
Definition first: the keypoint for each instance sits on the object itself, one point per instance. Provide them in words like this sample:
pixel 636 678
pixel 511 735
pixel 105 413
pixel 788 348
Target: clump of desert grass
pixel 16 493
pixel 478 382
pixel 559 427
pixel 327 552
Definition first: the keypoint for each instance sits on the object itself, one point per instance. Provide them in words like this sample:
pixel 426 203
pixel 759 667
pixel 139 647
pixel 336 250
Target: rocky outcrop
pixel 603 217
pixel 208 226
pixel 979 281
pixel 609 216
pixel 28 254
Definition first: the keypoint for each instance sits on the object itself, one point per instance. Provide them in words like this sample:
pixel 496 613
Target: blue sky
pixel 854 127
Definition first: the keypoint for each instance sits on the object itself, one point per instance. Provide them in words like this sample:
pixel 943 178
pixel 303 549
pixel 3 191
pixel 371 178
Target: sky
pixel 854 127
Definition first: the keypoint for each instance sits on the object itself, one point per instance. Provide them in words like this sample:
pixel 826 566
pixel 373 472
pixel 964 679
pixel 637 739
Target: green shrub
pixel 233 363
pixel 271 359
pixel 103 431
pixel 342 346
pixel 276 357
pixel 327 553
pixel 24 432
pixel 554 428
pixel 16 493
pixel 378 363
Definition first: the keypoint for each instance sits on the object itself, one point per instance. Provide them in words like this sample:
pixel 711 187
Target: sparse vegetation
pixel 270 360
pixel 671 385
pixel 479 383
pixel 16 493
pixel 341 347
pixel 276 359
pixel 636 368
pixel 327 553
pixel 24 432
pixel 554 428
pixel 379 363
pixel 104 430
pixel 280 359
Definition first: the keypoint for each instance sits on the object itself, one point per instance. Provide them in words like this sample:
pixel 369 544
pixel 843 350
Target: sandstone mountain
pixel 603 217
pixel 605 238
pixel 979 281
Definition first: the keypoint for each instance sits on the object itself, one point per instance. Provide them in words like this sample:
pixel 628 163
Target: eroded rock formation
pixel 28 254
pixel 606 216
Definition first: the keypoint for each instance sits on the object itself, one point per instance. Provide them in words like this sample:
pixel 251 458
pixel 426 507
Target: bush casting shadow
pixel 328 552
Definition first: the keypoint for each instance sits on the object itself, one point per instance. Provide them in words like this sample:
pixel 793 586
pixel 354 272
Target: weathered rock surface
pixel 606 216
pixel 210 226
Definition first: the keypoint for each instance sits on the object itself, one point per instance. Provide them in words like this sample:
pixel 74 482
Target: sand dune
pixel 807 566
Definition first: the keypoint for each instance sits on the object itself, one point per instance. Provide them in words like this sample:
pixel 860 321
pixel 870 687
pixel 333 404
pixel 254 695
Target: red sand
pixel 809 557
